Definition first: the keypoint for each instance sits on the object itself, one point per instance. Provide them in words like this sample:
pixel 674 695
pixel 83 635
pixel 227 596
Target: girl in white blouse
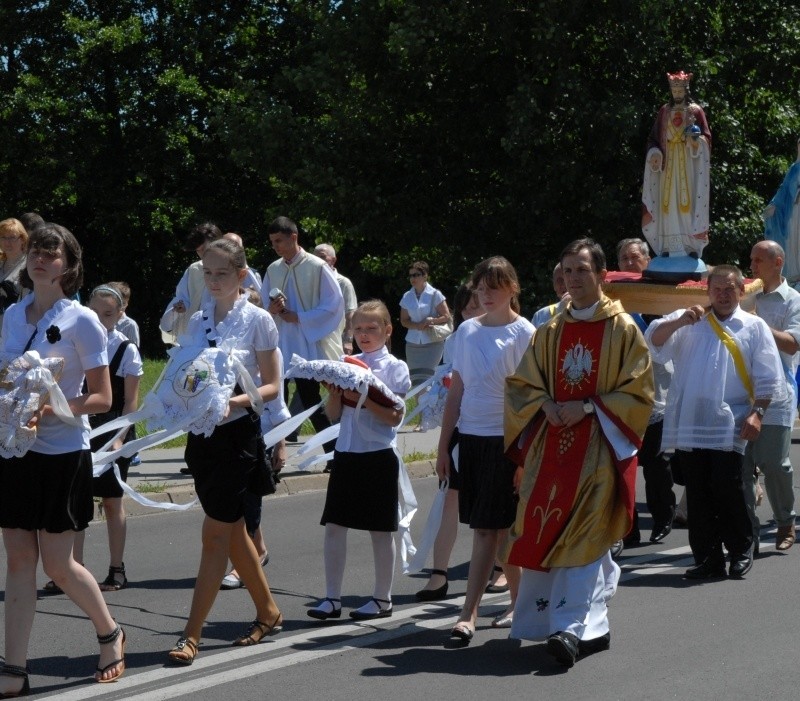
pixel 46 495
pixel 362 490
pixel 226 463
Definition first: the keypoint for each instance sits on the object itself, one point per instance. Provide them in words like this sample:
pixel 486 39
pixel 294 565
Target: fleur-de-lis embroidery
pixel 542 604
pixel 546 514
pixel 562 602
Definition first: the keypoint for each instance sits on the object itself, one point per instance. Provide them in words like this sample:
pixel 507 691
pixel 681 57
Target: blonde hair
pixel 15 227
pixel 374 308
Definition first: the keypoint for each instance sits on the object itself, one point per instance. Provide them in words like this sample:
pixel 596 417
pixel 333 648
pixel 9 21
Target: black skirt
pixel 362 491
pixel 224 465
pixel 47 492
pixel 486 496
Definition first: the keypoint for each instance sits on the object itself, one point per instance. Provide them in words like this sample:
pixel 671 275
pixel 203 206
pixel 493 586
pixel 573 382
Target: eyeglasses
pixel 9 238
pixel 416 274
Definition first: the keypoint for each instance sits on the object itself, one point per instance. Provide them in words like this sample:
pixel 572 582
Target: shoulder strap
pixel 738 361
pixel 116 361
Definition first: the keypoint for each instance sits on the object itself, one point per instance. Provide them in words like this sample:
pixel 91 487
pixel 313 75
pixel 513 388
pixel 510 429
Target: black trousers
pixel 716 505
pixel 657 473
pixel 309 396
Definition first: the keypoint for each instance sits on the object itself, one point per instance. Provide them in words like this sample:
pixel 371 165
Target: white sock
pixel 384 553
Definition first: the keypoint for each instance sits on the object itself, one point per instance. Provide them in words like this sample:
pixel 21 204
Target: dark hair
pixel 496 272
pixel 594 248
pixel 463 297
pixel 202 233
pixel 31 220
pixel 282 225
pixel 420 266
pixel 49 237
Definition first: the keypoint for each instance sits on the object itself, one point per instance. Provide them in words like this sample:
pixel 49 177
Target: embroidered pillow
pixel 353 375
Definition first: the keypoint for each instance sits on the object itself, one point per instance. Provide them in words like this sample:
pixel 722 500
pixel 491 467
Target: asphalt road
pixel 671 639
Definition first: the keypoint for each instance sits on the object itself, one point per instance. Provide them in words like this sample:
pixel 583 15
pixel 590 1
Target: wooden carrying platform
pixel 648 297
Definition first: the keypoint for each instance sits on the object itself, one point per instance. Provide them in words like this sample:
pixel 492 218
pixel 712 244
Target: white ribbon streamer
pixel 140 498
pixel 429 533
pixel 289 426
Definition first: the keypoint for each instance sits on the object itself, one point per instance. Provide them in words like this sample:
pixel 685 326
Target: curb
pixel 295 483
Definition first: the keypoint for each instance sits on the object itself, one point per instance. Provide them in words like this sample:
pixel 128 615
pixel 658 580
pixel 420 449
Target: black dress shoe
pixel 434 594
pixel 661 531
pixel 740 566
pixel 709 568
pixel 633 538
pixel 564 647
pixel 589 647
pixel 380 612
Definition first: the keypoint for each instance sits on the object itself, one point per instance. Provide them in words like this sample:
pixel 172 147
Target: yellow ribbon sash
pixel 736 353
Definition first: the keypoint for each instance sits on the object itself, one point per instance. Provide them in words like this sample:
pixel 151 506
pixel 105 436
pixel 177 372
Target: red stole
pixel 564 449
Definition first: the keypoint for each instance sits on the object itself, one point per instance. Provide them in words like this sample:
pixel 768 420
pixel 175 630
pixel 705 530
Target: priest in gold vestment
pixel 576 410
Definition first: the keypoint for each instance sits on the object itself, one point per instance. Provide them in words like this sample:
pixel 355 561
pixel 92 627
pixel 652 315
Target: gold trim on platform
pixel 658 298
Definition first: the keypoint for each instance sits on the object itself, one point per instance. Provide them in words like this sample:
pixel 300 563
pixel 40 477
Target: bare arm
pixel 452 411
pixel 270 378
pixel 405 320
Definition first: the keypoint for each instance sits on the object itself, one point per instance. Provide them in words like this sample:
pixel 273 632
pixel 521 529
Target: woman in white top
pixel 421 307
pixel 46 495
pixel 487 350
pixel 229 462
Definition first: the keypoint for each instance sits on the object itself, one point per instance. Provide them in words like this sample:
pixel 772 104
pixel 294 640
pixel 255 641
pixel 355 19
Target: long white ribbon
pixel 58 402
pixel 139 498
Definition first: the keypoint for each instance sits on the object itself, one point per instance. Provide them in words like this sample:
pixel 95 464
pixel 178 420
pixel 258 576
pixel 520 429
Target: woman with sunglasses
pixel 422 307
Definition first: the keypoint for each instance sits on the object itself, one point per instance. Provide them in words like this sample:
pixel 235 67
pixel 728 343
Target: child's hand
pixel 350 395
pixel 332 389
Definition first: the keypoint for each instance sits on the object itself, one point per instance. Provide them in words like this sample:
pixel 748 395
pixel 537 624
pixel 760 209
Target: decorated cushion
pixel 193 391
pixel 352 374
pixel 25 384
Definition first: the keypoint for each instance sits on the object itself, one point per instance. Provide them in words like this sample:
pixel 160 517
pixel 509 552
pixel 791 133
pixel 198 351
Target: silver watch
pixel 588 407
pixel 760 410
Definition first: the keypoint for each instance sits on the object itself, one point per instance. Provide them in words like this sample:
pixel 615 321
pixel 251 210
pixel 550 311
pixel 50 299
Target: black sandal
pixel 11 670
pixel 434 594
pixel 111 583
pixel 494 588
pixel 108 640
pixel 259 630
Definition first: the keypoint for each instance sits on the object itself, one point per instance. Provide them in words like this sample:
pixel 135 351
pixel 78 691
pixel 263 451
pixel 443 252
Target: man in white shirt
pixel 305 300
pixel 727 370
pixel 190 289
pixel 328 254
pixel 550 310
pixel 778 305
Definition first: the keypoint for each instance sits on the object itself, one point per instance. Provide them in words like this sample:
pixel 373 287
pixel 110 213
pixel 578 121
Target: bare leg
pixel 213 560
pixel 245 559
pixel 79 585
pixel 513 575
pixel 22 556
pixel 445 540
pixel 484 548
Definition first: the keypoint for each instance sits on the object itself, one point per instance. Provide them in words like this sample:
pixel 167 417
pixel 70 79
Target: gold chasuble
pixel 577 497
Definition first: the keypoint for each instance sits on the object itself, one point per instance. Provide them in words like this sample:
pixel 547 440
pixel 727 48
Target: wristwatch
pixel 760 410
pixel 588 407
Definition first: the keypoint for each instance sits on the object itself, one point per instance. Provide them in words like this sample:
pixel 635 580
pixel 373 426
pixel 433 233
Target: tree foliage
pixel 440 129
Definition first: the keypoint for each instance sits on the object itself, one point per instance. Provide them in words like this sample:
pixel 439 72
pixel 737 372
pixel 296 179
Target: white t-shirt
pixel 370 434
pixel 484 356
pixel 131 363
pixel 82 345
pixel 420 309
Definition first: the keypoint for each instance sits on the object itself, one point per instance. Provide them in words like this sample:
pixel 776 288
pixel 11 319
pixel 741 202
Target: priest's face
pixel 583 281
pixel 724 292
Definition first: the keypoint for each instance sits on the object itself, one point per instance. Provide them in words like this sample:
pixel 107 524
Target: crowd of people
pixel 544 426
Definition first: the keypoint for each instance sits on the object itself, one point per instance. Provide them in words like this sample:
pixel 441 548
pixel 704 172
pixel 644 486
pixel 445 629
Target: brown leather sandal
pixel 184 652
